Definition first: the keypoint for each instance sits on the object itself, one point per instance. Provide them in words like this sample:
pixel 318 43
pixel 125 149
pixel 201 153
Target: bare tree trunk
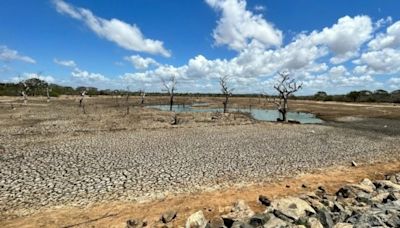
pixel 282 111
pixel 48 94
pixel 170 87
pixel 127 103
pixel 225 103
pixel 25 96
pixel 171 101
pixel 142 94
pixel 285 108
pixel 250 104
pixel 285 87
pixel 82 102
pixel 174 119
pixel 226 91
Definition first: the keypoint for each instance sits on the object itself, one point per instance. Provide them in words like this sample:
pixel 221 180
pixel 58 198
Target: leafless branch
pixel 285 87
pixel 226 91
pixel 170 87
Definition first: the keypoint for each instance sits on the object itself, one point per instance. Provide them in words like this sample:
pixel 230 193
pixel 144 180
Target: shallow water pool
pixel 257 113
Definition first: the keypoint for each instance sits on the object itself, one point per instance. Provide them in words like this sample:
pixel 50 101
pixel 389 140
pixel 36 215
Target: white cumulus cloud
pixel 239 27
pixel 141 63
pixel 86 76
pixel 384 61
pixel 66 63
pixel 24 76
pixel 123 34
pixel 390 39
pixel 345 37
pixel 7 54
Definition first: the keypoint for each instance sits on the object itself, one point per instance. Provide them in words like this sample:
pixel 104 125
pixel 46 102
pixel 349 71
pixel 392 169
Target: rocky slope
pixel 363 205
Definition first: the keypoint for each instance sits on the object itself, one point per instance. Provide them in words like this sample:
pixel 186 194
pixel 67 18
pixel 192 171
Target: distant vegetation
pixel 39 87
pixel 358 96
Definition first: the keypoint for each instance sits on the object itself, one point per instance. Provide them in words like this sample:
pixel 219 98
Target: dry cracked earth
pixel 143 164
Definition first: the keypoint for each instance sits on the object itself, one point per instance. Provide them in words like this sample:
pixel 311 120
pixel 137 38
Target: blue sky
pixel 335 46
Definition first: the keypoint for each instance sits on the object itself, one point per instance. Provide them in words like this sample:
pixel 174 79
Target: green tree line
pixel 38 87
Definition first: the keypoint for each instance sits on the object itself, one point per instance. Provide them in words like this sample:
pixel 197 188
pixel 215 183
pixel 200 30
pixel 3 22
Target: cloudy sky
pixel 335 46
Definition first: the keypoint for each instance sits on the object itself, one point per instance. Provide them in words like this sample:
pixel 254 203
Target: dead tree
pixel 285 86
pixel 170 87
pixel 82 101
pixel 142 96
pixel 48 90
pixel 24 92
pixel 127 100
pixel 116 94
pixel 226 91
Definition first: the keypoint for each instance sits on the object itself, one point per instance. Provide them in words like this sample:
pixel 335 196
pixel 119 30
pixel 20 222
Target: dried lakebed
pixel 135 165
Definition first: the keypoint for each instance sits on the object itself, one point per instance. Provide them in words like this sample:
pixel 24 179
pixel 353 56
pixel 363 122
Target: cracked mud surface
pixel 134 165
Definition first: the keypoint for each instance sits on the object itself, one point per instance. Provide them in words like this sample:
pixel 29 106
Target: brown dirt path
pixel 212 203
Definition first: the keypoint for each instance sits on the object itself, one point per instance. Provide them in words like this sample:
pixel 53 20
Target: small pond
pixel 257 113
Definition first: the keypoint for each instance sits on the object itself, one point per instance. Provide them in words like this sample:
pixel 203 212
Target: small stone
pixel 325 218
pixel 343 225
pixel 395 178
pixel 259 219
pixel 239 210
pixel 264 200
pixel 238 224
pixel 315 204
pixel 368 182
pixel 135 223
pixel 168 216
pixel 387 185
pixel 361 187
pixel 282 216
pixel 337 207
pixel 364 198
pixel 302 221
pixel 275 222
pixel 240 205
pixel 196 220
pixel 380 197
pixel 320 192
pixel 217 222
pixel 390 197
pixel 228 222
pixel 293 207
pixel 354 164
pixel 314 223
pixel 345 192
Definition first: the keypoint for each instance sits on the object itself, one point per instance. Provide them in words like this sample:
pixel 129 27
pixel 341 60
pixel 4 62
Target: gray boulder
pixel 168 216
pixel 325 218
pixel 314 223
pixel 239 211
pixel 258 220
pixel 275 222
pixel 196 220
pixel 292 207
